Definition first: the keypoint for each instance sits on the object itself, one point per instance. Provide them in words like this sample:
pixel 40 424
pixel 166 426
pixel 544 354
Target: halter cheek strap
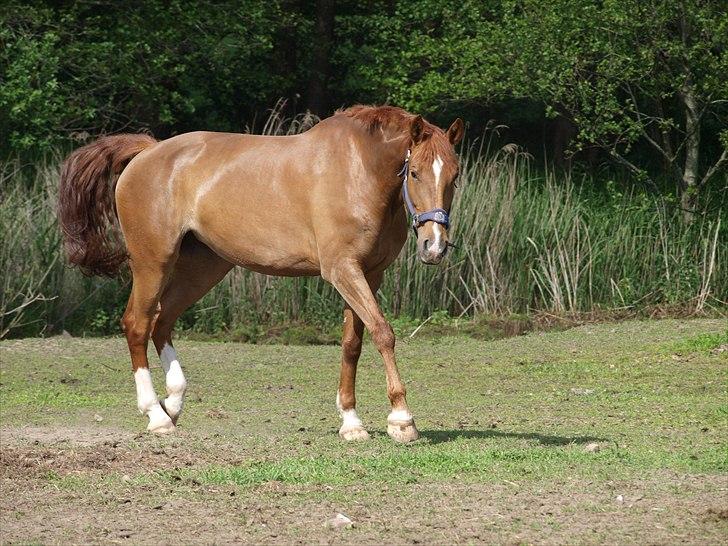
pixel 437 215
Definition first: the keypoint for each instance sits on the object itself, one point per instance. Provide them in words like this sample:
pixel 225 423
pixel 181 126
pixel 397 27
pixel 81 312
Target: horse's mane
pixel 374 118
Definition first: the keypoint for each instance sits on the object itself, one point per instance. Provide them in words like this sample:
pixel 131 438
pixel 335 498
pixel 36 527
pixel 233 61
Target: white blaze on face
pixel 174 379
pixel 437 228
pixel 437 170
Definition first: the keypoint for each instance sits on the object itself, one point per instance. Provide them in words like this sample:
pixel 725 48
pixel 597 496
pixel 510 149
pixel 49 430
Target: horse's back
pixel 184 163
pixel 237 193
pixel 178 170
pixel 269 203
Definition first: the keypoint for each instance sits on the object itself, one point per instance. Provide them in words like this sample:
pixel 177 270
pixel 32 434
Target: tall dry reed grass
pixel 527 240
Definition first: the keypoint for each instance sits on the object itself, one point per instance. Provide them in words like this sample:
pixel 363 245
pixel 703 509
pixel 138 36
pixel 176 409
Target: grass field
pixel 604 433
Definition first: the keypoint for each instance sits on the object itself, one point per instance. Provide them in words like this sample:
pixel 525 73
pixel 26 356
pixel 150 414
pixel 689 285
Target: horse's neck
pixel 390 155
pixel 383 151
pixel 391 151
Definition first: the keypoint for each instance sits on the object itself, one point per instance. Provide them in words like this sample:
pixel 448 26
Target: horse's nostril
pixel 426 244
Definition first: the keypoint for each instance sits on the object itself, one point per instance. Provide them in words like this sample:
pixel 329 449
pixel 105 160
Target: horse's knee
pixel 129 326
pixel 383 336
pixel 125 322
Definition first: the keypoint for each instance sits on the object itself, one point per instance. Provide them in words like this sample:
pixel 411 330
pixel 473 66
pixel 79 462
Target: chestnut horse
pixel 332 201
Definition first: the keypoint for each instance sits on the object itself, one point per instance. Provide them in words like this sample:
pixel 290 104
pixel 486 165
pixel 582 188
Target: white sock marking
pixel 174 379
pixel 350 418
pixel 399 415
pixel 147 399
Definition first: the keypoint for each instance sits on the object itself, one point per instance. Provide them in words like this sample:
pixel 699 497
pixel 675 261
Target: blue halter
pixel 437 215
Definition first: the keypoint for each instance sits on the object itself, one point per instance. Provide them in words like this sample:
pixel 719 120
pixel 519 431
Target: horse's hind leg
pixel 148 281
pixel 197 270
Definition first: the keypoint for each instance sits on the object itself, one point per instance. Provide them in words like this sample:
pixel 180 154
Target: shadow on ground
pixel 441 436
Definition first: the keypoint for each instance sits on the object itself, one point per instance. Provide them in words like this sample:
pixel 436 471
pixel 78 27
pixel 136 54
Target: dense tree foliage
pixel 643 81
pixel 101 66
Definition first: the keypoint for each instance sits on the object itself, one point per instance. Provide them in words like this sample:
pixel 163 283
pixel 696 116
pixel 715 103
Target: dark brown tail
pixel 86 205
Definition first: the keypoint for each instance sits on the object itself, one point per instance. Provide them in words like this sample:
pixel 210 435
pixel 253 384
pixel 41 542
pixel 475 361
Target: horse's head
pixel 429 185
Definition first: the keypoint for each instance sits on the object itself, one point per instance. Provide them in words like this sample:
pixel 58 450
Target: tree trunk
pixel 669 159
pixel 690 180
pixel 286 53
pixel 318 96
pixel 563 132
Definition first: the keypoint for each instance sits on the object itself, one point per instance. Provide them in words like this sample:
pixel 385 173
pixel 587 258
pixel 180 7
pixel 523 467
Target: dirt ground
pixel 664 509
pixel 76 466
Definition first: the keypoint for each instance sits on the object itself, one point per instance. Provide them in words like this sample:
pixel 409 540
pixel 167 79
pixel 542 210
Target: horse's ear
pixel 456 131
pixel 417 130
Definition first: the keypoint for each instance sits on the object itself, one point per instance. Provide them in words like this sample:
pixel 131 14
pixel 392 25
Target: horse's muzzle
pixel 432 246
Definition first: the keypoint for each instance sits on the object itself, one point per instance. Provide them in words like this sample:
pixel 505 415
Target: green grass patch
pixel 55 397
pixel 471 462
pixel 702 342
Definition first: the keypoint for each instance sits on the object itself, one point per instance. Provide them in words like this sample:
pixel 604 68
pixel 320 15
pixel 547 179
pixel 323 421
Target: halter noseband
pixel 437 215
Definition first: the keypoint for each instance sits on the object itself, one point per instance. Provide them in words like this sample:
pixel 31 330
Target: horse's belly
pixel 271 253
pixel 255 225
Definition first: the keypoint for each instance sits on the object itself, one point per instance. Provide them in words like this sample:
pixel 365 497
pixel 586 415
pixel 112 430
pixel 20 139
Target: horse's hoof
pixel 161 426
pixel 352 434
pixel 164 428
pixel 402 431
pixel 173 409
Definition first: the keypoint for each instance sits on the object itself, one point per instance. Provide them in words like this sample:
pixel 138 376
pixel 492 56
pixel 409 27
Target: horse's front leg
pixel 349 280
pixel 351 426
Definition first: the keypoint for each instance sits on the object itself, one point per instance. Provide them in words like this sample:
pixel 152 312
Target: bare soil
pixel 80 505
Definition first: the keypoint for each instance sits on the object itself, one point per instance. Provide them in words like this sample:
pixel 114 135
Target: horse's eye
pixel 414 175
